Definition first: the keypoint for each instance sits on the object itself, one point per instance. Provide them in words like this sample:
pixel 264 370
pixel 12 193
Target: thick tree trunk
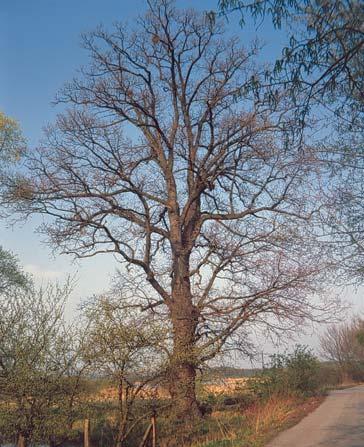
pixel 182 390
pixel 184 362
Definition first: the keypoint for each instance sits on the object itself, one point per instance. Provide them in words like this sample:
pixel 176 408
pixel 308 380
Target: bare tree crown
pixel 166 159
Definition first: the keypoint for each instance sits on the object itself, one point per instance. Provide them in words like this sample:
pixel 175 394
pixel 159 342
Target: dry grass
pixel 257 424
pixel 271 414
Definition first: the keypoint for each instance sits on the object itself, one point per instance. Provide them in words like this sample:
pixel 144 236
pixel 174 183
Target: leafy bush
pixel 293 373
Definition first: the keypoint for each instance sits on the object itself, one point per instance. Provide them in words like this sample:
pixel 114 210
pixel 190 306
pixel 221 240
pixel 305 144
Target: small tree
pixel 127 350
pixel 39 370
pixel 343 344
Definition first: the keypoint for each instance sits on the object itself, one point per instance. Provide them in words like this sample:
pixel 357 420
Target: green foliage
pixel 122 344
pixel 12 143
pixel 279 10
pixel 296 373
pixel 12 276
pixel 324 52
pixel 321 63
pixel 40 372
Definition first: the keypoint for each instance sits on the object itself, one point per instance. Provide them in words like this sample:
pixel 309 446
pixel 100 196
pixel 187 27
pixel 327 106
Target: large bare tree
pixel 166 160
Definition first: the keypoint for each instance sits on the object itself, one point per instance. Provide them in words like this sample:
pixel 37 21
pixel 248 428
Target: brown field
pixel 218 387
pixel 229 385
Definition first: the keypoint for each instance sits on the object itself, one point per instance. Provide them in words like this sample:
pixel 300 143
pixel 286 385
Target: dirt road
pixel 338 422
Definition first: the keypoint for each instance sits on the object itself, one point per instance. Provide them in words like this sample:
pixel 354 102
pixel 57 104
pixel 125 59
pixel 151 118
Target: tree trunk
pixel 21 441
pixel 183 366
pixel 121 425
pixel 182 388
pixel 86 433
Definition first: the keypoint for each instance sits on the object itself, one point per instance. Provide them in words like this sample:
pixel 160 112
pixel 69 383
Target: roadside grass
pixel 238 411
pixel 239 425
pixel 260 422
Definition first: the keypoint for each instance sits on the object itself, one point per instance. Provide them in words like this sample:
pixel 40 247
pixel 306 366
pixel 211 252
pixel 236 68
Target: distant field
pixel 228 385
pixel 219 386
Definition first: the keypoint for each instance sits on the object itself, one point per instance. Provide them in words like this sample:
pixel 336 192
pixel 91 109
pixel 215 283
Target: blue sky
pixel 40 50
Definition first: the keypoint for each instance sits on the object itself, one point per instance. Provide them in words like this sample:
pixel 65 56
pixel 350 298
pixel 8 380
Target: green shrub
pixel 293 373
